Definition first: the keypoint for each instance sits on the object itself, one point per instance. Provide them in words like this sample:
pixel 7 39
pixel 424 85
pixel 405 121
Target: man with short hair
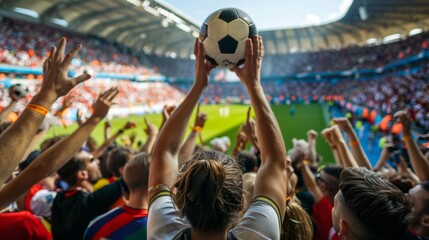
pixel 129 220
pixel 73 209
pixel 419 226
pixel 369 207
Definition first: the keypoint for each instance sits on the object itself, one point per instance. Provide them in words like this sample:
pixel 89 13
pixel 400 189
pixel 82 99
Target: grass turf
pixel 306 117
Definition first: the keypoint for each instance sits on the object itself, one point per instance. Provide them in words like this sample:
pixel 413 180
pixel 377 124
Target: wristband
pixel 197 129
pixel 306 162
pixel 38 108
pixel 353 143
pixel 406 138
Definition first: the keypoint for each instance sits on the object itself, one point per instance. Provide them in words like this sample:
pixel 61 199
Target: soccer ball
pixel 20 90
pixel 224 35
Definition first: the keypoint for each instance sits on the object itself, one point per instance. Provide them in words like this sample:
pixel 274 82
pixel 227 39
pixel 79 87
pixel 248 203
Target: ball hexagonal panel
pixel 211 48
pixel 238 29
pixel 217 29
pixel 241 49
pixel 227 45
pixel 211 17
pixel 228 14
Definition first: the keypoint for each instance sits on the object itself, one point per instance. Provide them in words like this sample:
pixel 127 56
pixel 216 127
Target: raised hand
pixel 150 130
pixel 405 120
pixel 344 124
pixel 129 125
pixel 200 118
pixel 56 82
pixel 250 73
pixel 202 66
pixel 102 104
pixel 311 134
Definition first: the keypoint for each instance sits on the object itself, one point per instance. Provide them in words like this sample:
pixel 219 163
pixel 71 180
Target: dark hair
pixel 334 171
pixel 209 191
pixel 248 160
pixel 381 209
pixel 136 172
pixel 69 171
pixel 117 158
pixel 50 142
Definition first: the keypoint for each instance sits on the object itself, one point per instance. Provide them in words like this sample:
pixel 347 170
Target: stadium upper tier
pixel 154 26
pixel 26 44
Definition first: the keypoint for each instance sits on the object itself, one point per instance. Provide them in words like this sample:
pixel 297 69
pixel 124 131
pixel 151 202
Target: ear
pixel 343 229
pixel 82 175
pixel 121 171
pixel 425 220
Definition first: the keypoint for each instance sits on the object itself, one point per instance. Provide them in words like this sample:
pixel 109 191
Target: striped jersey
pixel 120 223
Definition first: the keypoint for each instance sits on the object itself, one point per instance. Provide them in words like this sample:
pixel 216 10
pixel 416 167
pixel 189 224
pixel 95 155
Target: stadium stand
pixel 368 101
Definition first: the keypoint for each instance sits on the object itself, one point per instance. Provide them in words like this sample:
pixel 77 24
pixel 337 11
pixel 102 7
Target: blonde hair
pixel 297 224
pixel 209 191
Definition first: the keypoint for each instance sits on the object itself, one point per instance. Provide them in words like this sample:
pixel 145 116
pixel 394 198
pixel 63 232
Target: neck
pixel 138 200
pixel 208 235
pixel 85 185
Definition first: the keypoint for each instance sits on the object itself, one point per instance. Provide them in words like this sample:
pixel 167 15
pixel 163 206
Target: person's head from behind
pixel 248 160
pixel 136 173
pixel 328 180
pixel 419 196
pixel 369 207
pixel 209 191
pixel 81 168
pixel 116 160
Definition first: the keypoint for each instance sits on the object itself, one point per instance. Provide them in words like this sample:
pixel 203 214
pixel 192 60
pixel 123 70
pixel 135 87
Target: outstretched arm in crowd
pixel 418 161
pixel 333 134
pixel 164 166
pixel 382 160
pixel 99 151
pixel 312 153
pixel 327 134
pixel 57 155
pixel 151 132
pixel 16 139
pixel 354 143
pixel 188 146
pixel 250 130
pixel 272 176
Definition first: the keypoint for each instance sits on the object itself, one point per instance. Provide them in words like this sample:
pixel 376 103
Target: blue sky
pixel 270 14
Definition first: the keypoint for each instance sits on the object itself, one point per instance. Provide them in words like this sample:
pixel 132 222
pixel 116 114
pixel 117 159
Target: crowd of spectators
pixel 171 188
pixel 28 44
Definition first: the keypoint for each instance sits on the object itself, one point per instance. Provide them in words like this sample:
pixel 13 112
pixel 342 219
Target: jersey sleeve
pixel 261 221
pixel 163 221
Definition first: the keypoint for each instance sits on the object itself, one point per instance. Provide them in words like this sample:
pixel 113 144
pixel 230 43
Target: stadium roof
pixel 156 27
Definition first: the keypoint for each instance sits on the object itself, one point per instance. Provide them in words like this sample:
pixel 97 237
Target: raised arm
pixel 188 146
pixel 312 153
pixel 57 155
pixel 327 134
pixel 354 143
pixel 164 164
pixel 250 130
pixel 99 151
pixel 272 176
pixel 15 140
pixel 151 132
pixel 337 139
pixel 418 161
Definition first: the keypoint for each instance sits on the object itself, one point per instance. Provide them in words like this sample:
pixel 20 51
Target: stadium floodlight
pixel 27 12
pixel 60 22
pixel 392 38
pixel 415 31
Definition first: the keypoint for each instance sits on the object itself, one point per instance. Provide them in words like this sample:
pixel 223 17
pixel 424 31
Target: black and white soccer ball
pixel 224 35
pixel 20 90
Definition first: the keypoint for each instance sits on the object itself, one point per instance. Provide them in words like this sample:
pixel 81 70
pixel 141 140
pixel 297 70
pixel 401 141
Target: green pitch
pixel 305 118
